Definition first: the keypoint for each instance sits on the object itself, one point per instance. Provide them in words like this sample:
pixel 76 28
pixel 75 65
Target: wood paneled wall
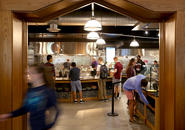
pixel 12 67
pixel 74 48
pixel 5 66
pixel 167 75
pixel 17 73
pixel 180 72
pixel 172 73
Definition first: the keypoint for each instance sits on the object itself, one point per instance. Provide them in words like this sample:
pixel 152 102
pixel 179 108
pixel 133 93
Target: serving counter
pixel 89 88
pixel 150 113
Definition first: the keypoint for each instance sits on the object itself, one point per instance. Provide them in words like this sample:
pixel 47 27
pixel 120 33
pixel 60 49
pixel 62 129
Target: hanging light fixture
pixel 93 36
pixel 100 41
pixel 53 27
pixel 93 25
pixel 134 43
pixel 146 32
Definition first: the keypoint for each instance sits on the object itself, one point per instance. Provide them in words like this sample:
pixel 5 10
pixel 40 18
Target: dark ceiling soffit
pixel 66 6
pixel 86 40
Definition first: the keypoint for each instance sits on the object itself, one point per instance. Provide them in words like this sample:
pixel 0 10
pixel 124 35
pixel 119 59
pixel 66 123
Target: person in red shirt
pixel 117 76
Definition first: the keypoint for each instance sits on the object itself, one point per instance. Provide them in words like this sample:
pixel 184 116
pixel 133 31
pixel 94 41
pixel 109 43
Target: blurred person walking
pixel 38 100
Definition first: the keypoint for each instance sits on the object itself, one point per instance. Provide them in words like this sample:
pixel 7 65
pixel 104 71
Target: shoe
pixel 75 101
pixel 136 116
pixel 81 101
pixel 132 121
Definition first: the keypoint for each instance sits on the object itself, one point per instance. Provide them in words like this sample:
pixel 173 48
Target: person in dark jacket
pixel 38 100
pixel 74 75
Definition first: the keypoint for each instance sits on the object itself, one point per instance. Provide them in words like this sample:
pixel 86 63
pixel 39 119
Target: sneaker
pixel 81 101
pixel 75 101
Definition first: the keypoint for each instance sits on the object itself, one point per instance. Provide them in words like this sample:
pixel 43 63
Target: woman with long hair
pixel 130 70
pixel 39 99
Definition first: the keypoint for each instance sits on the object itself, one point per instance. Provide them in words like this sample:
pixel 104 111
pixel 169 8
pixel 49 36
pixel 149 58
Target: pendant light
pixel 53 28
pixel 93 25
pixel 100 41
pixel 146 32
pixel 93 36
pixel 134 43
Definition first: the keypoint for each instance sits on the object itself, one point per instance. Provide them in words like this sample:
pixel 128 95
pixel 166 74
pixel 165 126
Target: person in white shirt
pixel 102 74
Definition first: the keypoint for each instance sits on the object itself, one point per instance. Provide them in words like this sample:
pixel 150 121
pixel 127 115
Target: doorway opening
pixel 65 38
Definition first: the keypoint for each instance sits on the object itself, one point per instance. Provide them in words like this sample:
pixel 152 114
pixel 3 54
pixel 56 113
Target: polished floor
pixel 92 115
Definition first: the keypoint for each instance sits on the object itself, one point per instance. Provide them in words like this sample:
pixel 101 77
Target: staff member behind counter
pixel 49 71
pixel 140 66
pixel 67 64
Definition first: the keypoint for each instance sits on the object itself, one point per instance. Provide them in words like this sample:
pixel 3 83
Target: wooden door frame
pixel 55 10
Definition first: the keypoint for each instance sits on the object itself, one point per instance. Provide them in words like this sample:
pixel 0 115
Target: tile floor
pixel 92 115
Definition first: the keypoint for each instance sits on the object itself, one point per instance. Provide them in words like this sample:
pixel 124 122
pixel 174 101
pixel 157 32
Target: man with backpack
pixel 102 73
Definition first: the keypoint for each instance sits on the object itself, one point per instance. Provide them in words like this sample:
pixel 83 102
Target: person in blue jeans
pixel 38 100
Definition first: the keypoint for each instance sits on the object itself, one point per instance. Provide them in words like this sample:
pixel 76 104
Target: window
pixel 110 54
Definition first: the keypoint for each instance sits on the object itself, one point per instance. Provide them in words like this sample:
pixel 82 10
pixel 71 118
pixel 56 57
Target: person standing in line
pixel 74 76
pixel 140 66
pixel 38 100
pixel 117 76
pixel 135 84
pixel 102 73
pixel 130 70
pixel 50 72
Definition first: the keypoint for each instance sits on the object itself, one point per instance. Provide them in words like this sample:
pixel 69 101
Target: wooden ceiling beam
pixel 130 9
pixel 120 6
pixel 52 11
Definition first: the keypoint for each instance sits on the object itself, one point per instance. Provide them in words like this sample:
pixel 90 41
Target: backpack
pixel 103 72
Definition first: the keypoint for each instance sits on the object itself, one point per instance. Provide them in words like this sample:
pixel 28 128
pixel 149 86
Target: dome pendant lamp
pixel 93 25
pixel 93 36
pixel 100 41
pixel 134 43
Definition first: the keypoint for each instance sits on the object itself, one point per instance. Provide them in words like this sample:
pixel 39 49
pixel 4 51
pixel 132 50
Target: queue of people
pixel 41 95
